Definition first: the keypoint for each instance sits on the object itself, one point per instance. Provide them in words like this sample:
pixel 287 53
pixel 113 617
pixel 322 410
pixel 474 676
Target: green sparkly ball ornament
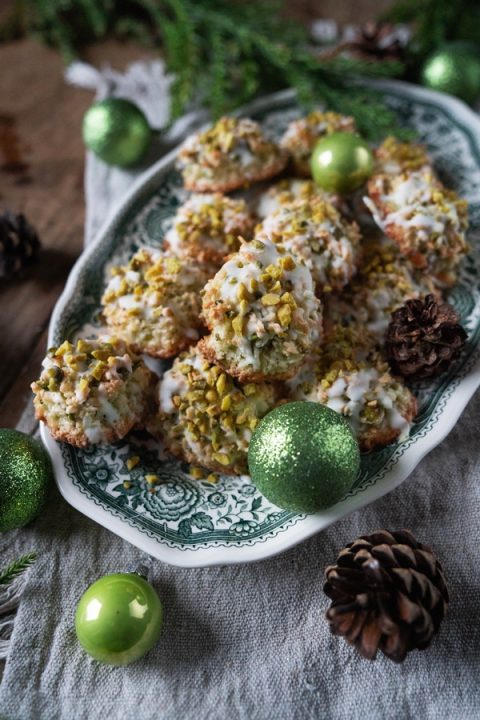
pixel 341 162
pixel 117 132
pixel 454 69
pixel 119 618
pixel 303 456
pixel 25 473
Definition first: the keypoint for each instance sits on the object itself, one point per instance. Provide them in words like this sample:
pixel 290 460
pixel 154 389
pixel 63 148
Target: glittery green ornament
pixel 303 457
pixel 341 162
pixel 117 132
pixel 119 618
pixel 454 69
pixel 25 472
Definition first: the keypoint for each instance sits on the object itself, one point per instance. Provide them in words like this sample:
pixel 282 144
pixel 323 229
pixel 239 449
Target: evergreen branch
pixel 16 568
pixel 435 22
pixel 221 52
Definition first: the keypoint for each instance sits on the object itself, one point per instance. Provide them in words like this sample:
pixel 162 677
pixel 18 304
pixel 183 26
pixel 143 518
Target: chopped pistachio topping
pixel 152 479
pixel 214 415
pixel 269 318
pixel 314 231
pixel 133 462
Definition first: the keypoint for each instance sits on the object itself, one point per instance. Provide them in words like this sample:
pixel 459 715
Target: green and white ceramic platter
pixel 194 523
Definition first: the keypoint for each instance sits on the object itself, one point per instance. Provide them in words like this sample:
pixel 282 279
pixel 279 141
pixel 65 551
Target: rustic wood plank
pixel 48 190
pixel 41 175
pixel 343 12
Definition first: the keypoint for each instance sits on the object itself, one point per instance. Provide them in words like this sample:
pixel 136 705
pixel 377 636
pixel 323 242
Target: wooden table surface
pixel 41 175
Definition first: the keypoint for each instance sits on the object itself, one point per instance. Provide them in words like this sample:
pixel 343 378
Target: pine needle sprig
pixel 16 568
pixel 222 53
pixel 436 22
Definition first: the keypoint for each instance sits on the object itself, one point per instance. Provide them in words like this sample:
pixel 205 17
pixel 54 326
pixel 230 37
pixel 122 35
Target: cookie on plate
pixel 153 302
pixel 92 391
pixel 350 377
pixel 262 313
pixel 427 221
pixel 384 282
pixel 313 230
pixel 301 136
pixel 208 227
pixel 207 417
pixel 233 153
pixel 393 157
pixel 286 191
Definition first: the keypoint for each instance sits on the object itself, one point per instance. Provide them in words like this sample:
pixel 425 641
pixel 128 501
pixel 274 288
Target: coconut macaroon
pixel 92 392
pixel 384 282
pixel 313 230
pixel 348 376
pixel 231 154
pixel 262 313
pixel 208 418
pixel 154 303
pixel 427 221
pixel 287 191
pixel 207 228
pixel 394 157
pixel 301 135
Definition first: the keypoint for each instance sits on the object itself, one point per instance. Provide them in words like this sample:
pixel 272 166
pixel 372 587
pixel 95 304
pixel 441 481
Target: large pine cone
pixel 424 338
pixel 19 244
pixel 388 593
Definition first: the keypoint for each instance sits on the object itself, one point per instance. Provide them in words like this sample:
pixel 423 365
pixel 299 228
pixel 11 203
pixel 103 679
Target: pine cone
pixel 378 41
pixel 424 338
pixel 388 593
pixel 19 244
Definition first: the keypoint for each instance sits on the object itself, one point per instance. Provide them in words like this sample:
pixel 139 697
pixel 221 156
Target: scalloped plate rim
pixel 308 525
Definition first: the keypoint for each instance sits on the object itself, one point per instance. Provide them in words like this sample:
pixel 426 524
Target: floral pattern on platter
pixel 187 508
pixel 189 514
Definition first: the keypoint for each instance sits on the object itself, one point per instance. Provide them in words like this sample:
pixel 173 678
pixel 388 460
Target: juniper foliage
pixel 16 568
pixel 223 53
pixel 436 22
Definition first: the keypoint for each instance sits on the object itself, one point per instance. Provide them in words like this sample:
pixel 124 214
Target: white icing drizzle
pixel 94 433
pixel 249 263
pixel 412 198
pixel 172 383
pixel 200 214
pixel 324 246
pixel 349 394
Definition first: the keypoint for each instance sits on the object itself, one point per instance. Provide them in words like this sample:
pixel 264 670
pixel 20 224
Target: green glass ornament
pixel 303 456
pixel 454 69
pixel 341 162
pixel 25 473
pixel 117 132
pixel 119 618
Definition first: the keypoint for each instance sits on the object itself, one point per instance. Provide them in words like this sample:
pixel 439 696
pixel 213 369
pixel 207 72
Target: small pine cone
pixel 424 338
pixel 378 41
pixel 388 593
pixel 19 244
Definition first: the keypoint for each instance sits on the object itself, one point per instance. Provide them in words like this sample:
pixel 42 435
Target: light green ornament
pixel 341 162
pixel 454 69
pixel 25 473
pixel 303 456
pixel 119 618
pixel 117 132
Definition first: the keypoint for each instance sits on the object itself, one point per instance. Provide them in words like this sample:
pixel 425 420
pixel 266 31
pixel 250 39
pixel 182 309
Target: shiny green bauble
pixel 341 162
pixel 117 132
pixel 119 618
pixel 303 457
pixel 25 474
pixel 454 69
